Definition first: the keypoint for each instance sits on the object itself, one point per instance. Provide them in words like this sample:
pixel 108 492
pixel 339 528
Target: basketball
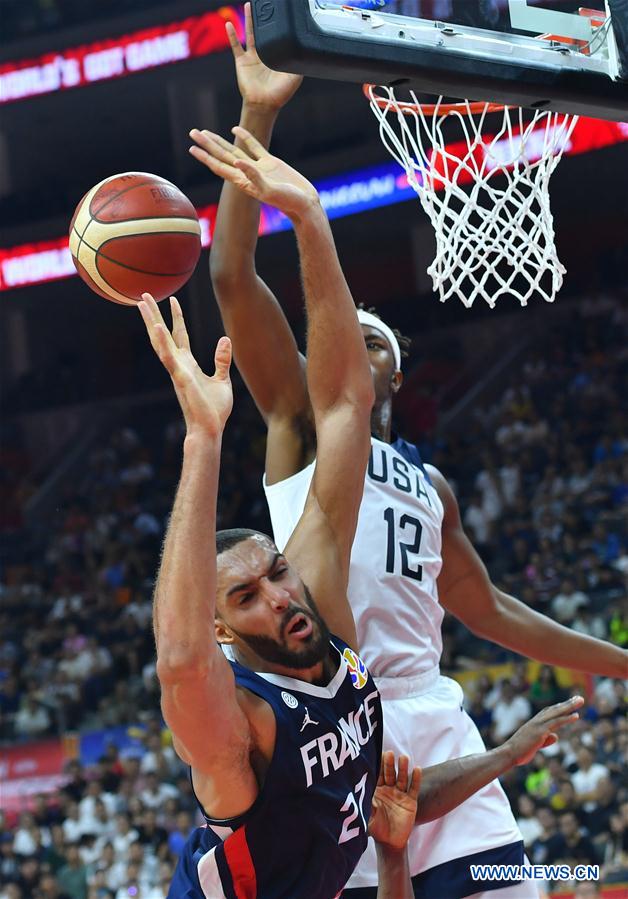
pixel 135 233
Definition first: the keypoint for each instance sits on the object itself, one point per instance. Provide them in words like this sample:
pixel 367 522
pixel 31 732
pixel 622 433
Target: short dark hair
pixel 229 537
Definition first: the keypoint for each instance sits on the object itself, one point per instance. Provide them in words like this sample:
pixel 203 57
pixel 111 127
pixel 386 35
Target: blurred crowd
pixel 571 802
pixel 542 477
pixel 114 830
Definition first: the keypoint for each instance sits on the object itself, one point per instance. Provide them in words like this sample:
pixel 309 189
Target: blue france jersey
pixel 306 831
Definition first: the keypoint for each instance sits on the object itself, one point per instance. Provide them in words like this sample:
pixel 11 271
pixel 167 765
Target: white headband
pixel 367 318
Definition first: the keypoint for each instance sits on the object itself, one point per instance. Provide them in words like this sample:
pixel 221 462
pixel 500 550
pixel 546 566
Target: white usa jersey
pixel 395 560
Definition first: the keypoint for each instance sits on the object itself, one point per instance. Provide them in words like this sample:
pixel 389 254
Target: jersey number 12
pixel 412 529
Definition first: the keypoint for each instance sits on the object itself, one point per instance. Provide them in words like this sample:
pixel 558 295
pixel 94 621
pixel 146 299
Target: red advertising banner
pixel 29 769
pixel 117 57
pixel 50 260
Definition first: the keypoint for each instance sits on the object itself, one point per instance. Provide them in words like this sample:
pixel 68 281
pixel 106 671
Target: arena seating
pixel 542 477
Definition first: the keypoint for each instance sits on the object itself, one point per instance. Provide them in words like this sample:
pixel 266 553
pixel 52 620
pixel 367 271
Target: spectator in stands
pixel 54 854
pixel 124 836
pixel 9 704
pixel 588 779
pixel 564 797
pixel 156 793
pixel 566 604
pixel 72 825
pixel 160 759
pixel 615 847
pixel 527 821
pixel 87 805
pixel 588 622
pixel 545 690
pixel 598 821
pixel 49 888
pixel 76 783
pixel 150 832
pixel 24 842
pixel 538 781
pixel 607 751
pixel 479 521
pixel 32 719
pixel 29 874
pixel 72 877
pixel 573 847
pixel 181 832
pixel 509 713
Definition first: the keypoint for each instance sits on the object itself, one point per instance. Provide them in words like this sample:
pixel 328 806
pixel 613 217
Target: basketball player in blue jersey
pixel 284 740
pixel 410 558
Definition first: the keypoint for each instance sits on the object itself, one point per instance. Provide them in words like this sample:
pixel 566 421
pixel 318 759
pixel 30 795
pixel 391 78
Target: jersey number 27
pixel 354 807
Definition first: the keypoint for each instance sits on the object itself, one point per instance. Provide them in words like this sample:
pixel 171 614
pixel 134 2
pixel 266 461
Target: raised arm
pixel 465 589
pixel 338 376
pixel 198 693
pixel 341 392
pixel 393 815
pixel 445 786
pixel 264 347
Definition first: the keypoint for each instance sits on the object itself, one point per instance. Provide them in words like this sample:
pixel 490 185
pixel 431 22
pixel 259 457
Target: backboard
pixel 541 54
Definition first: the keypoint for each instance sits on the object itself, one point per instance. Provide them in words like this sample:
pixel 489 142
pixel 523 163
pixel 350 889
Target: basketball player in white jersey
pixel 410 557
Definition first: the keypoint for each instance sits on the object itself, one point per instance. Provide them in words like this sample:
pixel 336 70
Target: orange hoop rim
pixel 474 107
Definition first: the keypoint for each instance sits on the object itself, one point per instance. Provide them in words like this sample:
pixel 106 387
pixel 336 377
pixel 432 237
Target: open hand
pixel 540 731
pixel 205 401
pixel 255 171
pixel 393 811
pixel 259 85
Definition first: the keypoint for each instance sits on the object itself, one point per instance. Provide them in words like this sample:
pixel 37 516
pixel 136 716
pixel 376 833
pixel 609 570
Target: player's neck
pixel 381 421
pixel 319 674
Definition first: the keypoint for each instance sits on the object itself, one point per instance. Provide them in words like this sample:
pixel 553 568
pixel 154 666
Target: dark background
pixel 56 146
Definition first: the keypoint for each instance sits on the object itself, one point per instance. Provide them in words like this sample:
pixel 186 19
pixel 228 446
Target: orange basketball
pixel 134 233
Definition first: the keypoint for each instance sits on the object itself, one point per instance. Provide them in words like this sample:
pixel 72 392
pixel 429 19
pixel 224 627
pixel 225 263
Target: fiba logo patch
pixel 356 666
pixel 290 700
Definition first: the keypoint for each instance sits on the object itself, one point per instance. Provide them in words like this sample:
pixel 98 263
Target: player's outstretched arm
pixel 339 381
pixel 197 684
pixel 445 786
pixel 465 589
pixel 265 350
pixel 393 815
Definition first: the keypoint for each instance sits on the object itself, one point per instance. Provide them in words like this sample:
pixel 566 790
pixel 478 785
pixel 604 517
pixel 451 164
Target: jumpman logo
pixel 307 720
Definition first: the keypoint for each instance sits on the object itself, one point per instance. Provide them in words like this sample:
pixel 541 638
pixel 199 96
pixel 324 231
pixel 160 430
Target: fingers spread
pixel 402 773
pixel 179 330
pixel 162 344
pixel 415 783
pixel 388 767
pixel 222 358
pixel 248 25
pixel 565 719
pixel 159 335
pixel 250 171
pixel 152 309
pixel 564 708
pixel 235 44
pixel 251 143
pixel 217 146
pixel 226 172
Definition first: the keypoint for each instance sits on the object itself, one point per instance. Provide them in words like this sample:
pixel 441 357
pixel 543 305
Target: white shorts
pixel 424 719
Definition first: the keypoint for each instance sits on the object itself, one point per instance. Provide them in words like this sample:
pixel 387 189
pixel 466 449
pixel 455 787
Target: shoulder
pixel 445 492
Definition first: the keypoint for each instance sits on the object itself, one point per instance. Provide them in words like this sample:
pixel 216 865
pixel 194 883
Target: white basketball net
pixel 488 203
